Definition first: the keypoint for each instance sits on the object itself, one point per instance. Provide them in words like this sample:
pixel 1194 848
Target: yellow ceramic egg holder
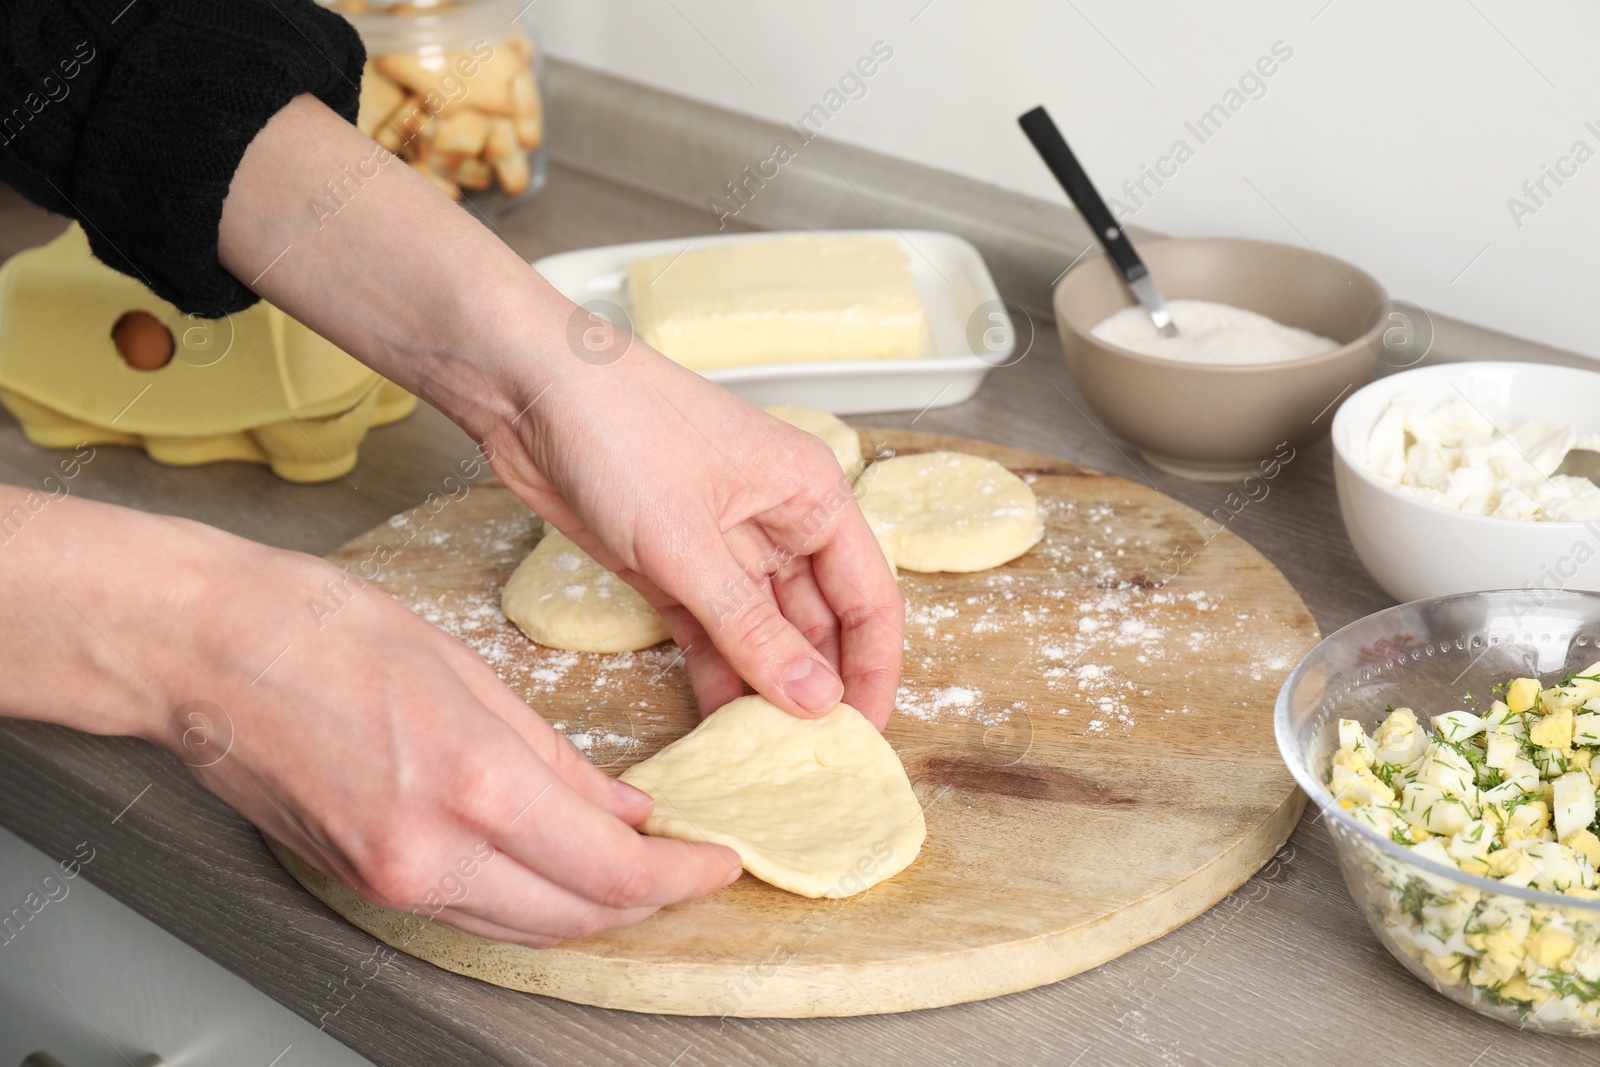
pixel 255 385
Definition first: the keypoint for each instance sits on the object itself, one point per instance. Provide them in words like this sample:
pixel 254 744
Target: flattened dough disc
pixel 835 433
pixel 820 807
pixel 949 511
pixel 562 598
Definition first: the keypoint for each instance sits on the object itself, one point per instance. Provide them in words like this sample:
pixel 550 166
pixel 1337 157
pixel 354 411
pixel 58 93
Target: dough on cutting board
pixel 561 597
pixel 820 807
pixel 835 433
pixel 948 511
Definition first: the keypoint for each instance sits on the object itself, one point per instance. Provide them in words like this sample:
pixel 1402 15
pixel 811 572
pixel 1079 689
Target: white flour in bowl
pixel 1209 332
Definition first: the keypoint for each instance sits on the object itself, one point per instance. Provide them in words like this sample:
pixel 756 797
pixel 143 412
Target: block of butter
pixel 791 299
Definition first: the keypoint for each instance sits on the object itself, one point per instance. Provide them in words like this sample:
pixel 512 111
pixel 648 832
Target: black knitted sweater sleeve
pixel 132 115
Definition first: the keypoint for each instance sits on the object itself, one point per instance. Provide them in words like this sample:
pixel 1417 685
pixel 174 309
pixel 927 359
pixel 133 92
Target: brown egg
pixel 142 341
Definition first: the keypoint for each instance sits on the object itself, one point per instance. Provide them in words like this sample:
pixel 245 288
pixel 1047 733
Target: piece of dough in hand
pixel 820 807
pixel 561 597
pixel 835 433
pixel 948 511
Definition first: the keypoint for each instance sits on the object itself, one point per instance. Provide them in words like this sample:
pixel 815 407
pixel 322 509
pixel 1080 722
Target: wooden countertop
pixel 1283 971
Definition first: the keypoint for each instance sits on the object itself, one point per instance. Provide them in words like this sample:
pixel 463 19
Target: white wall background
pixel 1392 137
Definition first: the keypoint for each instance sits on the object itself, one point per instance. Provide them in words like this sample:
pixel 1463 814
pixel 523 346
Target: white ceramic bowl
pixel 1414 549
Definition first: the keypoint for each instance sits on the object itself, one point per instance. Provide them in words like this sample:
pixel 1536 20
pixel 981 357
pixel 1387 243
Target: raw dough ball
pixel 948 511
pixel 820 807
pixel 844 441
pixel 562 598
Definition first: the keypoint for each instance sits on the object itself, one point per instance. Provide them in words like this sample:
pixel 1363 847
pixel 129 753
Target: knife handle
pixel 1052 148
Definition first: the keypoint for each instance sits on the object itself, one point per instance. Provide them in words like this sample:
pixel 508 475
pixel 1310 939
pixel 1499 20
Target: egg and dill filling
pixel 1508 795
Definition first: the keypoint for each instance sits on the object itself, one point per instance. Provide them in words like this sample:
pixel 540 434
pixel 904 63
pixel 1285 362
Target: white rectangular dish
pixel 969 329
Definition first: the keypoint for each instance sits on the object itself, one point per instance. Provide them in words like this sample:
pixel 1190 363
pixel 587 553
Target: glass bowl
pixel 1476 940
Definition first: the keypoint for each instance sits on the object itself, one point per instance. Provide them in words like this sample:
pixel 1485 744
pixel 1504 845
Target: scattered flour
pixel 1112 653
pixel 472 613
pixel 589 742
pixel 1110 650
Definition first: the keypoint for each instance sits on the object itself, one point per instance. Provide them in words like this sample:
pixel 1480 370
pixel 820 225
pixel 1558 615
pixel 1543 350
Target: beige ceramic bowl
pixel 1218 422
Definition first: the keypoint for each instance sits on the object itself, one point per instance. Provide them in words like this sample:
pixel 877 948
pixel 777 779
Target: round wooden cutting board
pixel 1089 729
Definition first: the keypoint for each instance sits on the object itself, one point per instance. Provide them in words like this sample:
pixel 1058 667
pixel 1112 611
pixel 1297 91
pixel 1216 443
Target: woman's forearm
pixel 111 619
pixel 328 225
pixel 79 603
pixel 378 747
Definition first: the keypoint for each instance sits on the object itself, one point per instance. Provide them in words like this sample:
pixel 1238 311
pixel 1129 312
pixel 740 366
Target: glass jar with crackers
pixel 455 88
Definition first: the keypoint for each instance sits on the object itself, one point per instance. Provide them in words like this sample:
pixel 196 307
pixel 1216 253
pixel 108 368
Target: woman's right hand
pixel 382 750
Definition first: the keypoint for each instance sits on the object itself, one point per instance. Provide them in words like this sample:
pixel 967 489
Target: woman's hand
pixel 382 750
pixel 740 529
pixel 737 527
pixel 386 752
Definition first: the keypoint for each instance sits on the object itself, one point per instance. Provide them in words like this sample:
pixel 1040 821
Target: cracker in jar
pixel 379 98
pixel 472 174
pixel 501 140
pixel 456 78
pixel 463 134
pixel 513 172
